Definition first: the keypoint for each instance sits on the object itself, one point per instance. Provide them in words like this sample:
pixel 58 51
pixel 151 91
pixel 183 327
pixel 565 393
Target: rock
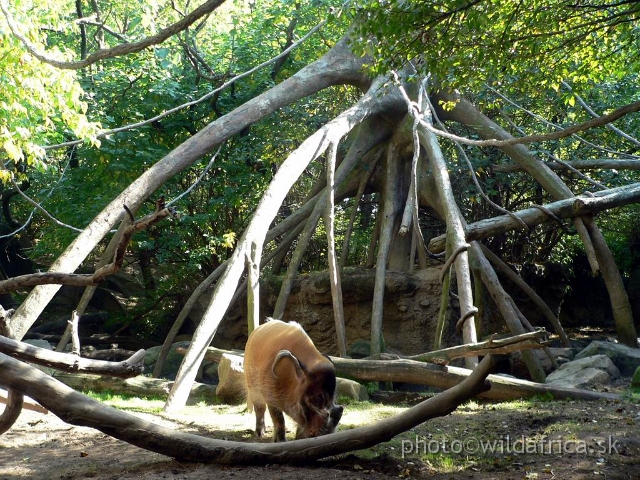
pixel 601 362
pixel 231 387
pixel 520 370
pixel 585 372
pixel 627 359
pixel 151 356
pixel 635 380
pixel 587 377
pixel 351 389
pixel 360 348
pixel 210 373
pixel 171 364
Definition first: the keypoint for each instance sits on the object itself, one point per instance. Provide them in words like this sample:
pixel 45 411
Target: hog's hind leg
pixel 278 424
pixel 259 410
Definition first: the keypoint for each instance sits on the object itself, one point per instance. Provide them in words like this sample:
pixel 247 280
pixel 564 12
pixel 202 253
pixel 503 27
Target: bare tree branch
pixel 613 128
pixel 79 409
pixel 87 280
pixel 566 132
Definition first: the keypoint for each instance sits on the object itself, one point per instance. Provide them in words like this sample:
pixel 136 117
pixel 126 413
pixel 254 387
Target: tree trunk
pixel 507 309
pixel 468 114
pixel 622 314
pixel 288 173
pixel 338 66
pixel 358 199
pixel 334 270
pixel 455 231
pixel 391 205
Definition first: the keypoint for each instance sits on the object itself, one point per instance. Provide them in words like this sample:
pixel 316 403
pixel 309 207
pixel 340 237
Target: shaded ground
pixel 532 439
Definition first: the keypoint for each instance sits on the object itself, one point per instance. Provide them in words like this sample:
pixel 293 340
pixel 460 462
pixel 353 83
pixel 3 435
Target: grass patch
pixel 153 404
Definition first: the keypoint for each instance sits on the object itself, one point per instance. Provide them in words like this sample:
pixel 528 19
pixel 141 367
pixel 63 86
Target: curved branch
pixel 205 97
pixel 117 51
pixel 12 411
pixel 591 112
pixel 77 409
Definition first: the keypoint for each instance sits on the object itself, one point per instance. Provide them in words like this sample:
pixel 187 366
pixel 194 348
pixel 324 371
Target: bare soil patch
pixel 529 439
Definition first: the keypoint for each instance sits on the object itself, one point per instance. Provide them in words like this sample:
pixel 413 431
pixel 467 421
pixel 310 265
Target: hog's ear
pixel 300 367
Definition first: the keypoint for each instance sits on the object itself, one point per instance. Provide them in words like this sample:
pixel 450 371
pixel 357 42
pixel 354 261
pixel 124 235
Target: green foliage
pixel 40 104
pixel 467 43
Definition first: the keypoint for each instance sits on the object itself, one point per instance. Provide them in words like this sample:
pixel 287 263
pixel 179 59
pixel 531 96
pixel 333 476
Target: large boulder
pixel 584 373
pixel 627 359
pixel 351 389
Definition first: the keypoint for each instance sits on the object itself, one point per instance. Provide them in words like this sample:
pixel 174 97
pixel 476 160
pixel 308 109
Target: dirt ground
pixel 523 439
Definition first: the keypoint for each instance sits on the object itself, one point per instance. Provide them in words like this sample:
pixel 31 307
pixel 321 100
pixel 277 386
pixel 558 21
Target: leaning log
pixel 440 376
pixel 494 346
pixel 77 409
pixel 570 207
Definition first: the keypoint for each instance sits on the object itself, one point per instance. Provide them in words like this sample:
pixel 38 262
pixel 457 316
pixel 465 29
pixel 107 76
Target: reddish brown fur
pixel 307 396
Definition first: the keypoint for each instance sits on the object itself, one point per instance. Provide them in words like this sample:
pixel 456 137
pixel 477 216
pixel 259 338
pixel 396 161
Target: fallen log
pixel 72 363
pixel 570 207
pixel 440 376
pixel 78 409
